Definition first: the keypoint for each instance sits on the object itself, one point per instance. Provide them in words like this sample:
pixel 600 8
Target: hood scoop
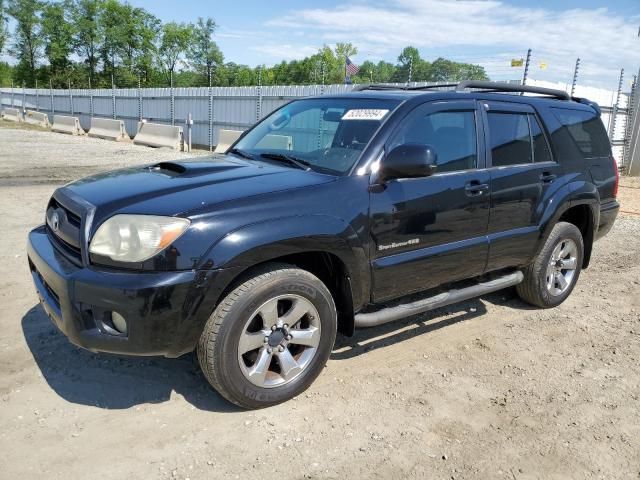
pixel 189 169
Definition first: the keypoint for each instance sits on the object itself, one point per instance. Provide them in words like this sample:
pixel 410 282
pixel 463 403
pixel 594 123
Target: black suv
pixel 326 216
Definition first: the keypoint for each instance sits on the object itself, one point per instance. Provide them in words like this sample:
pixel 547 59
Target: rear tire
pixel 550 279
pixel 269 338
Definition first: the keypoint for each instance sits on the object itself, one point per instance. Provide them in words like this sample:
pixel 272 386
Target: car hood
pixel 175 188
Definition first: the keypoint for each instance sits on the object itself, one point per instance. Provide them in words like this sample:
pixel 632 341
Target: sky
pixel 487 32
pixel 604 34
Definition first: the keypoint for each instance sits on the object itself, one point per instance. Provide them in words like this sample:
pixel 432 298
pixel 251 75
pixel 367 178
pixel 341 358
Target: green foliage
pixel 204 54
pixel 85 16
pixel 27 43
pixel 3 25
pixel 174 42
pixel 57 34
pixel 86 43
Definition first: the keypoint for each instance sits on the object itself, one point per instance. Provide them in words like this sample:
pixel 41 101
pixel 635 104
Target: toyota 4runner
pixel 331 213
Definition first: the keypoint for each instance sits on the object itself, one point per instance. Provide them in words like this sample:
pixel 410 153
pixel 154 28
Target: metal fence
pixel 212 109
pixel 238 108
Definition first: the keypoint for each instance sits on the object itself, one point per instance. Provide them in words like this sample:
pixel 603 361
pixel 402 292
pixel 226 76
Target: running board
pixel 398 312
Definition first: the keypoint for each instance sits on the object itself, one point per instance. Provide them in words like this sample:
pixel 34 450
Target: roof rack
pixel 510 87
pixel 477 84
pixel 385 86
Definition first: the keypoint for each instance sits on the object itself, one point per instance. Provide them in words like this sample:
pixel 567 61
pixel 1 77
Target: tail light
pixel 615 186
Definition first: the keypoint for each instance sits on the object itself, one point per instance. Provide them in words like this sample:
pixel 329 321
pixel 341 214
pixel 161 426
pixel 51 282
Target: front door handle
pixel 475 188
pixel 547 177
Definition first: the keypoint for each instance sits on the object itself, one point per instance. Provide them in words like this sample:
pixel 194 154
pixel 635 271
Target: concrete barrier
pixel 159 136
pixel 64 124
pixel 12 114
pixel 37 118
pixel 277 142
pixel 108 129
pixel 226 139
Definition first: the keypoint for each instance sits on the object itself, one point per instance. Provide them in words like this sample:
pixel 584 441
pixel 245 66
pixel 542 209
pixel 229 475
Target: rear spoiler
pixel 590 103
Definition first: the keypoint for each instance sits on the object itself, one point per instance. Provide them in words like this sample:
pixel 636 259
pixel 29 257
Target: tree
pixel 204 54
pixel 342 51
pixel 84 16
pixel 175 40
pixel 409 63
pixel 142 37
pixel 112 22
pixel 445 70
pixel 57 34
pixel 27 46
pixel 3 26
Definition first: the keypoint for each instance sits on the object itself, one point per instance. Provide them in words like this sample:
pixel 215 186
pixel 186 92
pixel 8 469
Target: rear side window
pixel 586 130
pixel 541 152
pixel 510 139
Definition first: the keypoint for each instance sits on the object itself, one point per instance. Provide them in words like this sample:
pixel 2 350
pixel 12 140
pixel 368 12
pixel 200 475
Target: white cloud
pixel 604 41
pixel 285 51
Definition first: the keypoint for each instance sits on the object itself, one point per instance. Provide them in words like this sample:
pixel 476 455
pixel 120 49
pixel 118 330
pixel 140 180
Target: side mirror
pixel 411 160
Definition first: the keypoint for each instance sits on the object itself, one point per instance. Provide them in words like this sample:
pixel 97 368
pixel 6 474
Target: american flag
pixel 352 68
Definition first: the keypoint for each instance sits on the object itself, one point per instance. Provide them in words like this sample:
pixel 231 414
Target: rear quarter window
pixel 586 131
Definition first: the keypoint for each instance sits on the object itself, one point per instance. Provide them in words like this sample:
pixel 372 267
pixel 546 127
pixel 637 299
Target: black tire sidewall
pixel 290 281
pixel 561 232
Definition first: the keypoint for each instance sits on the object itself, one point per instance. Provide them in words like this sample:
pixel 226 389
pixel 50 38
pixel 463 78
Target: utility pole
pixel 70 98
pixel 53 107
pixel 525 75
pixel 575 77
pixel 410 70
pixel 614 114
pixel 210 113
pixel 113 97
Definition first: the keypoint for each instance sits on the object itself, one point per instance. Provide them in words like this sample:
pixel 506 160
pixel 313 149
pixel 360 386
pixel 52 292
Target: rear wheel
pixel 269 338
pixel 550 279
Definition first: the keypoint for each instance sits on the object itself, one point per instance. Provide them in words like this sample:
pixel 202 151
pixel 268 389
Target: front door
pixel 432 230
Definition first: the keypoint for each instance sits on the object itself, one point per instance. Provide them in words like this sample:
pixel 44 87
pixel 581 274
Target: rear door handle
pixel 475 188
pixel 547 177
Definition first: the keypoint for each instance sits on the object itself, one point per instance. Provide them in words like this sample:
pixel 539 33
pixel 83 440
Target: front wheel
pixel 269 338
pixel 549 280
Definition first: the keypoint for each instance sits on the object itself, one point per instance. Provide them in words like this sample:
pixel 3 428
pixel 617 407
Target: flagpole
pixel 345 69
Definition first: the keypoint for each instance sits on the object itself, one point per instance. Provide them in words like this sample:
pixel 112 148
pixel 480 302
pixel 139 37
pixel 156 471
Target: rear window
pixel 586 130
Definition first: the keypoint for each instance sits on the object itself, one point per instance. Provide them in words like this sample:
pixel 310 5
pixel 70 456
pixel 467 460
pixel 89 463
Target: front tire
pixel 550 279
pixel 269 338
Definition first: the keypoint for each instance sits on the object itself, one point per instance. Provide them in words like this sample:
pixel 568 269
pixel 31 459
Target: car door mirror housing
pixel 411 160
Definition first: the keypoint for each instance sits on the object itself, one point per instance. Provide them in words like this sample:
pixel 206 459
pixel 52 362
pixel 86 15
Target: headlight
pixel 136 238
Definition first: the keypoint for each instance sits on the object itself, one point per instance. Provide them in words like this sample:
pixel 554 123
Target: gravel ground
pixel 490 388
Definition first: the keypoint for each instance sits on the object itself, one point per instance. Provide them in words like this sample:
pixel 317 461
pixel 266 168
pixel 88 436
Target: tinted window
pixel 452 135
pixel 586 130
pixel 328 133
pixel 541 151
pixel 509 137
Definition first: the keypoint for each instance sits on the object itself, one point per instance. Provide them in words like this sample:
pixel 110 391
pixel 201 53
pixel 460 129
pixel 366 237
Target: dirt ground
pixel 490 388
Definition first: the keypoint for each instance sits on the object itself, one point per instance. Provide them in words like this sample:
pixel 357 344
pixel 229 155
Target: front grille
pixel 64 229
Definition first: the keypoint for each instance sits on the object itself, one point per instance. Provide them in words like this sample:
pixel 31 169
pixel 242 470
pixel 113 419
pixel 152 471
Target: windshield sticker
pixel 365 114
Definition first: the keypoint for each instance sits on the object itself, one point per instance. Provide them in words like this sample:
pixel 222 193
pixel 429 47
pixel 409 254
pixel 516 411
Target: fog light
pixel 119 323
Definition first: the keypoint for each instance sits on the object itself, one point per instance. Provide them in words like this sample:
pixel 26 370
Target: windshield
pixel 325 134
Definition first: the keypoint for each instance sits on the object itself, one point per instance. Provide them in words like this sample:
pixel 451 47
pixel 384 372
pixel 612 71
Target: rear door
pixel 432 230
pixel 523 176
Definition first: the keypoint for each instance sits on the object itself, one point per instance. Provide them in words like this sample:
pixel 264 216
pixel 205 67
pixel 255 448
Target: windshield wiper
pixel 241 153
pixel 297 162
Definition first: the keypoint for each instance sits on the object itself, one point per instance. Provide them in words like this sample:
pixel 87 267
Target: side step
pixel 398 312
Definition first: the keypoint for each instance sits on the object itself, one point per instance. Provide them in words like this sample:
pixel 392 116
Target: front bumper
pixel 165 311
